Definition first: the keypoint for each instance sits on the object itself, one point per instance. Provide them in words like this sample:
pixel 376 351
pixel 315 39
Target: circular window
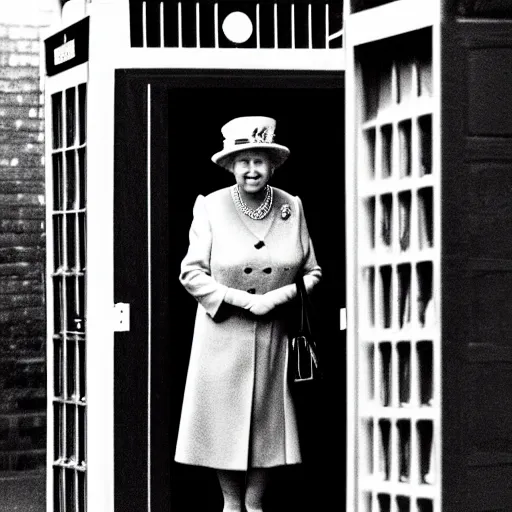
pixel 237 27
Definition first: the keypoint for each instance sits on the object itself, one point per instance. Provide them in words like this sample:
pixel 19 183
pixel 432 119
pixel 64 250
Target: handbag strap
pixel 302 294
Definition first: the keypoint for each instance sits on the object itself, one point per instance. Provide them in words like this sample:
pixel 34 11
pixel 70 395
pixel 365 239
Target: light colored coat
pixel 237 408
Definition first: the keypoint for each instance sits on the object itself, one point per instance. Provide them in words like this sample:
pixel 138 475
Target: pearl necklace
pixel 258 213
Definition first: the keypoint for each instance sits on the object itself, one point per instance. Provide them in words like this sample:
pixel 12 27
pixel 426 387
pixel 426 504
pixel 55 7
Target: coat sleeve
pixel 195 273
pixel 310 269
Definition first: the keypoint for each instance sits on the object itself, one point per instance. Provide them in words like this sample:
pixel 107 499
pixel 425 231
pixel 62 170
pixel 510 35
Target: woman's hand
pixel 261 306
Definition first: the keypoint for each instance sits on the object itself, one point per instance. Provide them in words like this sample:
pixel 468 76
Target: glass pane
pixel 426 450
pixel 75 303
pixel 403 504
pixel 58 305
pixel 425 300
pixel 425 505
pixel 404 295
pixel 368 316
pixel 384 501
pixel 71 454
pixel 81 435
pixel 83 240
pixel 404 446
pixel 386 146
pixel 70 490
pixel 385 298
pixel 58 364
pixel 386 228
pixel 425 218
pixel 369 153
pixel 424 66
pixel 404 373
pixel 70 116
pixel 384 449
pixel 57 120
pixel 385 374
pixel 59 499
pixel 404 133
pixel 425 129
pixel 58 431
pixel 404 221
pixel 82 103
pixel 81 492
pixel 367 446
pixel 404 76
pixel 71 367
pixel 71 192
pixel 58 182
pixel 384 81
pixel 369 223
pixel 425 372
pixel 58 257
pixel 71 241
pixel 367 371
pixel 81 368
pixel 82 176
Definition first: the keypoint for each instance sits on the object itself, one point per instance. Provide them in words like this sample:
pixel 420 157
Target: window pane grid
pixel 67 279
pixel 398 333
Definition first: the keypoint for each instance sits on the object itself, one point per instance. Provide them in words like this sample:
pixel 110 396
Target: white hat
pixel 250 132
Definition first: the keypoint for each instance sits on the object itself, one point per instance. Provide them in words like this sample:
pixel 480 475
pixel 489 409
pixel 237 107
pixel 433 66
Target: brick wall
pixel 22 255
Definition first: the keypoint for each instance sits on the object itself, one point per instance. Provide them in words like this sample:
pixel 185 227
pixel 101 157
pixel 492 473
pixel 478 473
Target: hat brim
pixel 279 153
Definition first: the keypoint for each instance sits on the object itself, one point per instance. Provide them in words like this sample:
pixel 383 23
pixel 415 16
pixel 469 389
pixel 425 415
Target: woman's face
pixel 252 170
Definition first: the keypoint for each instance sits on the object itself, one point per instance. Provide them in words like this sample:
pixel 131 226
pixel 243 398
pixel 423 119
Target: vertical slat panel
pixel 310 27
pixel 144 25
pixel 162 24
pixel 292 24
pixel 180 26
pixel 198 25
pixel 276 25
pixel 327 26
pixel 216 23
pixel 258 28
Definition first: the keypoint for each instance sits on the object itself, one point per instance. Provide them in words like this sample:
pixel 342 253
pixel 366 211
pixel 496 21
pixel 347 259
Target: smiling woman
pixel 238 415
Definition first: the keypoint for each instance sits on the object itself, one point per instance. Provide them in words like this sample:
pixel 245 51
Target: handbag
pixel 303 363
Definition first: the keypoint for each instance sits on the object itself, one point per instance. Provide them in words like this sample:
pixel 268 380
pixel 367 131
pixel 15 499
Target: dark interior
pixel 187 115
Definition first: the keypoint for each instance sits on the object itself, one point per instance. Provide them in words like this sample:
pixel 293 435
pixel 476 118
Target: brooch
pixel 286 211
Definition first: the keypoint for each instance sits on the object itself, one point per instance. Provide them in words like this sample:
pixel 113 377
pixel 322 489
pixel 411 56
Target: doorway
pixel 167 127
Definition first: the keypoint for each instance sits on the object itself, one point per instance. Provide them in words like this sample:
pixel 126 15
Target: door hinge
pixel 343 319
pixel 121 317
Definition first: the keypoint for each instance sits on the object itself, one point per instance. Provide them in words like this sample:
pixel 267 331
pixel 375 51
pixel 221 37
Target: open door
pixel 167 127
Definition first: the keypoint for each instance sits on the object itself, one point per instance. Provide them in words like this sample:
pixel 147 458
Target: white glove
pixel 256 304
pixel 241 299
pixel 274 298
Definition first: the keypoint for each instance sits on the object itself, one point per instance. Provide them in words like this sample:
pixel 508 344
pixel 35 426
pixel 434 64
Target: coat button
pixel 267 270
pixel 248 270
pixel 259 245
pixel 252 290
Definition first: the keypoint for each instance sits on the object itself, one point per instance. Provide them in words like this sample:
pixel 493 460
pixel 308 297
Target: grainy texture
pixel 22 253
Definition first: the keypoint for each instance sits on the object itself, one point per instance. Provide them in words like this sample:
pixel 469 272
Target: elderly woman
pixel 248 243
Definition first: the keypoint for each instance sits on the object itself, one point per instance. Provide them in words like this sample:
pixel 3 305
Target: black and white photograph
pixel 255 256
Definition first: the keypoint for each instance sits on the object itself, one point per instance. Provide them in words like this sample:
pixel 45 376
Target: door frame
pixel 143 89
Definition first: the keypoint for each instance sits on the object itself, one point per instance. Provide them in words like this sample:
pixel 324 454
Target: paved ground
pixel 22 493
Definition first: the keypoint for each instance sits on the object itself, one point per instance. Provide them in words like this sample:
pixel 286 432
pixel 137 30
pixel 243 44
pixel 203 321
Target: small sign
pixel 64 53
pixel 67 48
